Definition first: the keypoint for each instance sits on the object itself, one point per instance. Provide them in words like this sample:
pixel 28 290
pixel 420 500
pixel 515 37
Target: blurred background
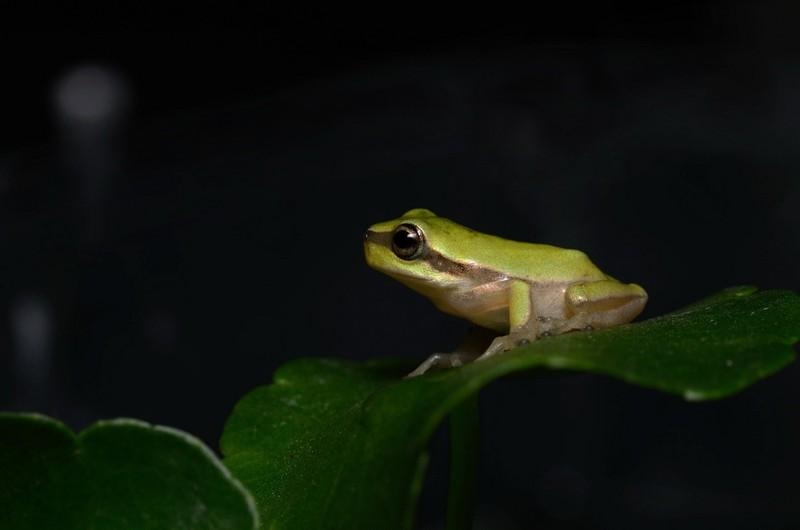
pixel 181 213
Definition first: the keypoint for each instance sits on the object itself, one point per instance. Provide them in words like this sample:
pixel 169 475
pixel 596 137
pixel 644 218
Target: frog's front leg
pixel 442 360
pixel 522 320
pixel 474 343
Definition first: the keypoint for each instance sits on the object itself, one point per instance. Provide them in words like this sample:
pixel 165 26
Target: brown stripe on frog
pixel 383 239
pixel 439 262
pixel 443 264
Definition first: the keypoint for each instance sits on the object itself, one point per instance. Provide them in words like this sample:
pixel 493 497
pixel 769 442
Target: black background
pixel 163 261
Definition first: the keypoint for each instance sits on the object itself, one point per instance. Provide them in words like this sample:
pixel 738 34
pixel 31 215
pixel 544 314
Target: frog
pixel 520 291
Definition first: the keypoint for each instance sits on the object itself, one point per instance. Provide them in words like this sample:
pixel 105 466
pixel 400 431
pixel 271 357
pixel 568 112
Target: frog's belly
pixel 487 304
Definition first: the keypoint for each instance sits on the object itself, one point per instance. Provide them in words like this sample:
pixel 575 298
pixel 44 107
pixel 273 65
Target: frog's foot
pixel 576 324
pixel 508 342
pixel 442 360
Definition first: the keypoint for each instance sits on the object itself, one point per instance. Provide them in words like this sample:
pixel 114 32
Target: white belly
pixel 487 304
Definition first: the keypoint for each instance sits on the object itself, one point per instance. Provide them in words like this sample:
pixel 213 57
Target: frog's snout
pixel 368 249
pixel 373 237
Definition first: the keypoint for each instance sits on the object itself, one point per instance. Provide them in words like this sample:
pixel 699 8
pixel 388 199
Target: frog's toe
pixel 507 343
pixel 441 360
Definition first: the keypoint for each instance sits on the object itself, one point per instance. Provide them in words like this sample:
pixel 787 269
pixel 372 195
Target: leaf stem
pixel 463 464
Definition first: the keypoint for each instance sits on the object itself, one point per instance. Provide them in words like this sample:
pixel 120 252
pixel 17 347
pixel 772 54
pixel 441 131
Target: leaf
pixel 335 444
pixel 119 474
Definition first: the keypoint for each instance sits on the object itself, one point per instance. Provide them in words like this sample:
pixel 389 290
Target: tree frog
pixel 522 291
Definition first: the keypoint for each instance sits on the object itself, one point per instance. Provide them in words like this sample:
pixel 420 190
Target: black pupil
pixel 405 239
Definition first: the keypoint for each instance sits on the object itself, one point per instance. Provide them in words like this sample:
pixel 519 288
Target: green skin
pixel 521 290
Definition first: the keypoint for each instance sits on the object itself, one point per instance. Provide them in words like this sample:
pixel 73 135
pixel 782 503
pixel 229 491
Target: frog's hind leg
pixel 602 304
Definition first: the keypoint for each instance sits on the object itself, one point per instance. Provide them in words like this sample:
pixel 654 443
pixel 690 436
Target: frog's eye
pixel 408 241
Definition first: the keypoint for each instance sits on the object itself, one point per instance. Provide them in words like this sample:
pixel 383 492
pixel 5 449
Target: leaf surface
pixel 119 474
pixel 336 444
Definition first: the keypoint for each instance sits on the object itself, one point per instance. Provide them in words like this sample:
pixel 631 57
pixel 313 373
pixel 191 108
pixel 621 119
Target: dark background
pixel 182 212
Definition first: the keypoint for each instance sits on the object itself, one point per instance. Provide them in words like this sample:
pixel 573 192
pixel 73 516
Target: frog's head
pixel 420 249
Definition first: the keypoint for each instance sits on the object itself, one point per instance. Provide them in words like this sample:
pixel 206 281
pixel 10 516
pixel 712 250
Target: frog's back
pixel 531 262
pixel 540 263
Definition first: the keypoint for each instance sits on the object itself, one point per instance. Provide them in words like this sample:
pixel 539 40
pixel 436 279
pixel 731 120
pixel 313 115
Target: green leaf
pixel 119 474
pixel 335 444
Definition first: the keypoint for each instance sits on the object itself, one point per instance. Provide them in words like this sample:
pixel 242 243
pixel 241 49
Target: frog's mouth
pixel 430 287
